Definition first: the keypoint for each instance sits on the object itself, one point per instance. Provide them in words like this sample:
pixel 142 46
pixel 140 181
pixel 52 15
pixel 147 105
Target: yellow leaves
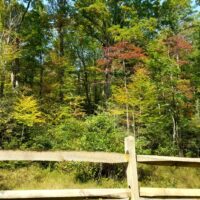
pixel 26 111
pixel 58 60
pixel 196 121
pixel 120 96
pixel 75 106
pixel 8 48
pixel 8 52
pixel 141 92
pixel 184 86
pixel 178 4
pixel 98 8
pixel 117 111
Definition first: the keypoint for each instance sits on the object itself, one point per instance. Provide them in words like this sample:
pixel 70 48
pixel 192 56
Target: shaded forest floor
pixel 34 177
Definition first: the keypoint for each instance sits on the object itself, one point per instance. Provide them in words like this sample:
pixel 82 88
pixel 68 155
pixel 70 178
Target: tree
pixel 60 14
pixel 36 36
pixel 169 60
pixel 8 48
pixel 174 13
pixel 118 57
pixel 26 112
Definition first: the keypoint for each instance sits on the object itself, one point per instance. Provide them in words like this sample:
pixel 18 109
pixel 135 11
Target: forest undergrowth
pixel 35 177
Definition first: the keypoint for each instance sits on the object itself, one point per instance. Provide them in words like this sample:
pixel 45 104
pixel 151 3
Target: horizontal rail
pixel 169 192
pixel 97 157
pixel 165 198
pixel 26 194
pixel 168 161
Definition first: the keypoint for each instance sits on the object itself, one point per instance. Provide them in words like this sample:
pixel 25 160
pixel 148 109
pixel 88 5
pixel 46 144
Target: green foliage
pixel 96 133
pixel 138 31
pixel 88 69
pixel 102 134
pixel 67 135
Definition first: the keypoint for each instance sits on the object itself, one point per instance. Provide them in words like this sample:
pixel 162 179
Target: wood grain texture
pixel 27 194
pixel 168 161
pixel 97 157
pixel 132 176
pixel 169 192
pixel 167 198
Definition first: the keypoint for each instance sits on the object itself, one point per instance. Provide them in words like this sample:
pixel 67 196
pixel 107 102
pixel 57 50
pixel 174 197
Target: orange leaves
pixel 178 48
pixel 122 51
pixel 103 61
pixel 184 86
pixel 178 42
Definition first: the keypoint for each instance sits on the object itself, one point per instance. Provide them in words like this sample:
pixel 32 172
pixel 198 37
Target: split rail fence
pixel 133 191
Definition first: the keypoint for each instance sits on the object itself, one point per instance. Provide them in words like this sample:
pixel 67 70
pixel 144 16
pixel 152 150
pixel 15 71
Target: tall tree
pixel 60 15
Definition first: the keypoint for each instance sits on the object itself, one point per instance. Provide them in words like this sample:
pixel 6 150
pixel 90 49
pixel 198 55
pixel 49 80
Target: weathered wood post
pixel 132 176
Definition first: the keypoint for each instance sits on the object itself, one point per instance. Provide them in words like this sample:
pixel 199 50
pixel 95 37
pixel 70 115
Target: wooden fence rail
pixel 168 161
pixel 133 191
pixel 96 157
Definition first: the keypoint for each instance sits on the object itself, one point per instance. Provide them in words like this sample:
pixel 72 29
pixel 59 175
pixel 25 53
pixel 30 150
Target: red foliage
pixel 177 43
pixel 103 61
pixel 178 47
pixel 182 62
pixel 121 50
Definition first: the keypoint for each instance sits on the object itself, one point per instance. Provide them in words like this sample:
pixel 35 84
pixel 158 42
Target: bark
pixel 86 81
pixel 15 74
pixel 41 76
pixel 127 106
pixel 197 108
pixel 78 83
pixel 2 84
pixel 133 124
pixel 15 70
pixel 175 130
pixel 175 134
pixel 87 91
pixel 107 84
pixel 96 94
pixel 61 71
pixel 16 63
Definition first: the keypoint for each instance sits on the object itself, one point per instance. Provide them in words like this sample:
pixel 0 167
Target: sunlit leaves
pixel 121 51
pixel 174 12
pixel 26 111
pixel 138 30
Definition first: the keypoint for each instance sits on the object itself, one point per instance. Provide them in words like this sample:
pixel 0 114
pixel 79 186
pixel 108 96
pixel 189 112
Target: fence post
pixel 132 176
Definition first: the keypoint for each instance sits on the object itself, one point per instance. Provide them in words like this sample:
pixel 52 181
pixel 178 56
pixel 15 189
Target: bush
pixel 101 134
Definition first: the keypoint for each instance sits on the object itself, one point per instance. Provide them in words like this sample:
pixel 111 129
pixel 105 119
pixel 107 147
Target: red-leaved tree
pixel 118 57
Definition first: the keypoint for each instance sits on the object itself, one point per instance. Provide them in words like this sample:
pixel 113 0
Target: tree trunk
pixel 175 130
pixel 61 71
pixel 2 84
pixel 197 108
pixel 127 106
pixel 107 84
pixel 41 76
pixel 87 91
pixel 86 82
pixel 2 80
pixel 133 124
pixel 15 70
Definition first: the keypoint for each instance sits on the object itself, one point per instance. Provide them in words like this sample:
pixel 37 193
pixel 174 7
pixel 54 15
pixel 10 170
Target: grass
pixel 172 177
pixel 35 177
